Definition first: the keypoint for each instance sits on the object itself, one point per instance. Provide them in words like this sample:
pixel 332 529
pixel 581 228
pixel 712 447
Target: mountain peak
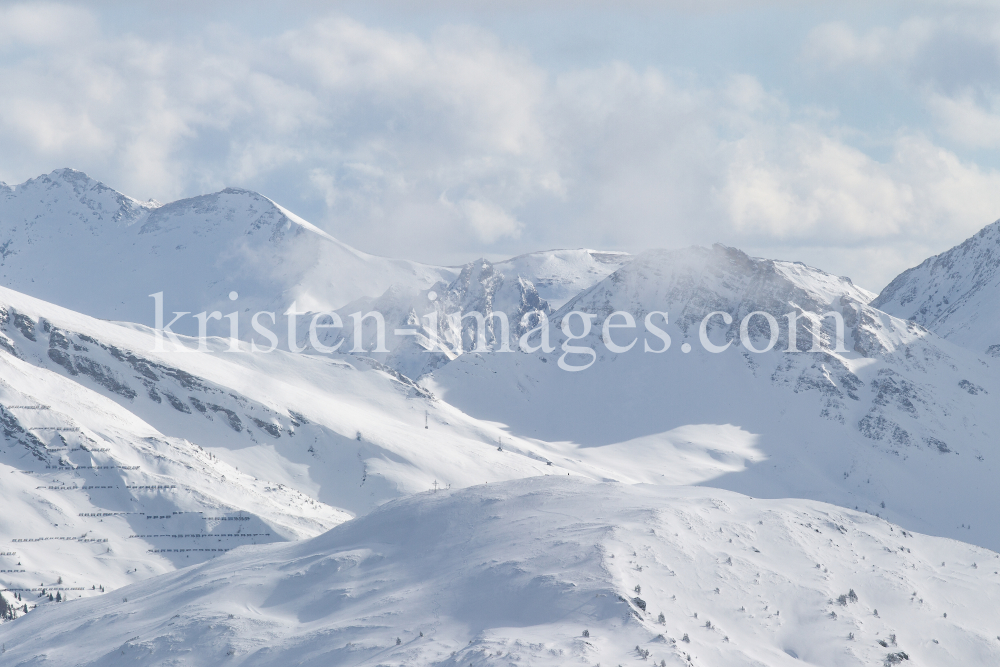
pixel 559 275
pixel 954 293
pixel 70 174
pixel 80 182
pixel 104 253
pixel 68 195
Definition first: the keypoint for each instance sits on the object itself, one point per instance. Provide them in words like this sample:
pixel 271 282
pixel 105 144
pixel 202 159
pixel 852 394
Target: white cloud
pixel 837 44
pixel 809 187
pixel 371 126
pixel 951 61
pixel 489 221
pixel 964 120
pixel 43 24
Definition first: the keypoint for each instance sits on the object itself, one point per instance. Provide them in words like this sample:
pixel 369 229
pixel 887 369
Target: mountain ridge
pixel 234 237
pixel 952 293
pixel 856 406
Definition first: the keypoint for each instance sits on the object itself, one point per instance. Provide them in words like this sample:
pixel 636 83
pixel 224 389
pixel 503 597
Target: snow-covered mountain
pixel 420 331
pixel 863 427
pixel 94 496
pixel 344 430
pixel 954 294
pixel 559 275
pixel 73 241
pixel 553 571
pixel 123 459
pixel 110 442
pixel 899 423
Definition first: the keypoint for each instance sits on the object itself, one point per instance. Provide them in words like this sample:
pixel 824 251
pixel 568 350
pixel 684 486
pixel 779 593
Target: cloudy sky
pixel 856 137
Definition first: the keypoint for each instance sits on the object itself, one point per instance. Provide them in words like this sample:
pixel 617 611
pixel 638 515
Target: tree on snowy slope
pixel 7 611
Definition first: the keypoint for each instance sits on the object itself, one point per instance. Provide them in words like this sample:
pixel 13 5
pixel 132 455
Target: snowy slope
pixel 159 451
pixel 68 239
pixel 118 463
pixel 516 573
pixel 94 496
pixel 344 430
pixel 559 275
pixel 954 294
pixel 901 424
pixel 900 413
